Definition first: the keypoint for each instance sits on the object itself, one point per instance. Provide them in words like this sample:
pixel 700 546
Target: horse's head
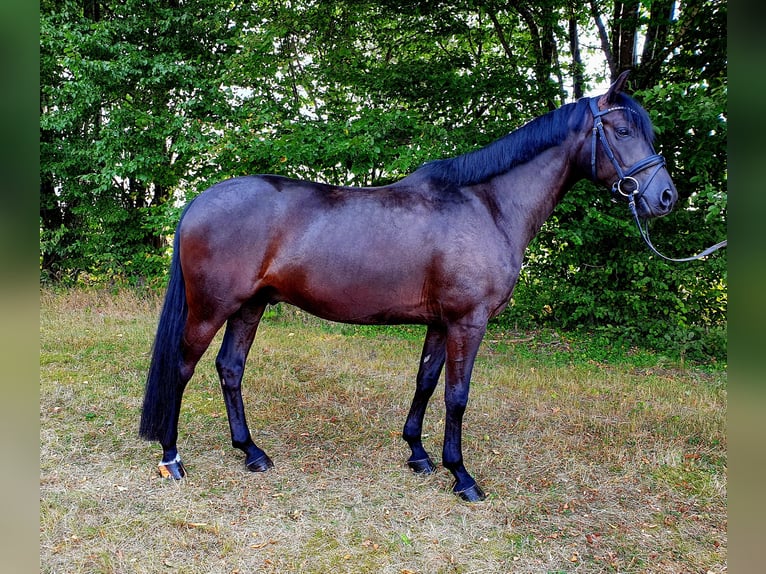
pixel 622 156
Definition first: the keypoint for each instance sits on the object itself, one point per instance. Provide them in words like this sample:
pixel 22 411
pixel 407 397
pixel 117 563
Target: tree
pixel 146 103
pixel 126 93
pixel 670 32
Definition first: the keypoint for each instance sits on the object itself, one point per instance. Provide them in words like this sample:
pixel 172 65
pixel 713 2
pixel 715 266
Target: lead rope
pixel 645 236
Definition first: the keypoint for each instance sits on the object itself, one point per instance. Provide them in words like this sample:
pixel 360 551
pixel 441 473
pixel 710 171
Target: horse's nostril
pixel 667 199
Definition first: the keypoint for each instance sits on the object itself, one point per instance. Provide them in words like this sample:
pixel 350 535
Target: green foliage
pixel 124 92
pixel 145 104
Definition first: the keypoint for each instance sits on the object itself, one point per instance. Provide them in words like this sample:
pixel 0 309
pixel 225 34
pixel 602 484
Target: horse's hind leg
pixel 196 339
pixel 431 363
pixel 230 363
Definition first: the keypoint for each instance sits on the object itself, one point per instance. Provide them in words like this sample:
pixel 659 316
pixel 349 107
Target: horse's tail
pixel 164 386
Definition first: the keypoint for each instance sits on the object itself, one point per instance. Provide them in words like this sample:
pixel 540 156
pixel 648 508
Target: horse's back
pixel 262 206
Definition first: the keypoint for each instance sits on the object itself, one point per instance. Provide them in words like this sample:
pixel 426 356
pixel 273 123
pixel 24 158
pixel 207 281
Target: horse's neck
pixel 530 192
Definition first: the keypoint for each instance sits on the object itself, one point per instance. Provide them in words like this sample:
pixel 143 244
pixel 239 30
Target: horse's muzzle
pixel 659 205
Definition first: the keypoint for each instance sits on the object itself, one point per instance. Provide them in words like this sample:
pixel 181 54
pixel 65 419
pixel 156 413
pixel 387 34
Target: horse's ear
pixel 611 95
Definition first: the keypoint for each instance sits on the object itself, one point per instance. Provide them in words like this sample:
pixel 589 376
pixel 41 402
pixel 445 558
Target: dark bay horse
pixel 442 247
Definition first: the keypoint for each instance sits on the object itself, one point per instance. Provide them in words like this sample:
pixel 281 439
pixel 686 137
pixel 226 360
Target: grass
pixel 591 466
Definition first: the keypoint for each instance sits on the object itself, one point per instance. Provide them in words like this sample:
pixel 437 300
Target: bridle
pixel 626 185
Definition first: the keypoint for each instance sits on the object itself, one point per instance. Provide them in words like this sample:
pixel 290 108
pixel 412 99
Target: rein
pixel 644 231
pixel 628 186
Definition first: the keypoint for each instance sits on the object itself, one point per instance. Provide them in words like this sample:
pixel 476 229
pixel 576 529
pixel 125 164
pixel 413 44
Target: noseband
pixel 626 185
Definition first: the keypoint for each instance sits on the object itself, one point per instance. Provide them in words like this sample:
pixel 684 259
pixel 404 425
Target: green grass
pixel 592 465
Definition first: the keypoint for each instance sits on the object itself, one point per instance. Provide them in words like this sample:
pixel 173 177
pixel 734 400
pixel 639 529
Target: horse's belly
pixel 361 295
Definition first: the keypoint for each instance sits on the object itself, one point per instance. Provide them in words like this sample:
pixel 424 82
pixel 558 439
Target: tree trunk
pixel 543 43
pixel 624 24
pixel 655 45
pixel 603 38
pixel 578 79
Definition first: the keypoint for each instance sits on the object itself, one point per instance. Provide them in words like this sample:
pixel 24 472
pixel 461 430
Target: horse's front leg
pixel 431 363
pixel 462 345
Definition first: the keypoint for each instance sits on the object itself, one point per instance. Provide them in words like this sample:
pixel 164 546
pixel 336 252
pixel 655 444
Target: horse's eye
pixel 623 132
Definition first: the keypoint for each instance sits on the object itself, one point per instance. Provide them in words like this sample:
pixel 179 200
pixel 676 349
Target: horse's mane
pixel 523 144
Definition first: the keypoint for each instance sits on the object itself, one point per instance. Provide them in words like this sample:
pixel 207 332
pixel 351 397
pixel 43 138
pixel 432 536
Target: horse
pixel 441 247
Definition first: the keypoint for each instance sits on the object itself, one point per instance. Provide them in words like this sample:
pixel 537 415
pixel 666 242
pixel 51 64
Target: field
pixel 590 466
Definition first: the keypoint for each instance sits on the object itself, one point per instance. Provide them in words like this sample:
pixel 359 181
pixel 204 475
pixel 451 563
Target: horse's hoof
pixel 261 464
pixel 473 493
pixel 422 466
pixel 173 469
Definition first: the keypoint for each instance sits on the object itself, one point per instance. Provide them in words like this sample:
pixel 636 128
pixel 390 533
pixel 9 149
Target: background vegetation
pixel 146 103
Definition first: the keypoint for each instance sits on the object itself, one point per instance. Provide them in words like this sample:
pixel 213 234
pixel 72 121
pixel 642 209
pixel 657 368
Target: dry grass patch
pixel 590 468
